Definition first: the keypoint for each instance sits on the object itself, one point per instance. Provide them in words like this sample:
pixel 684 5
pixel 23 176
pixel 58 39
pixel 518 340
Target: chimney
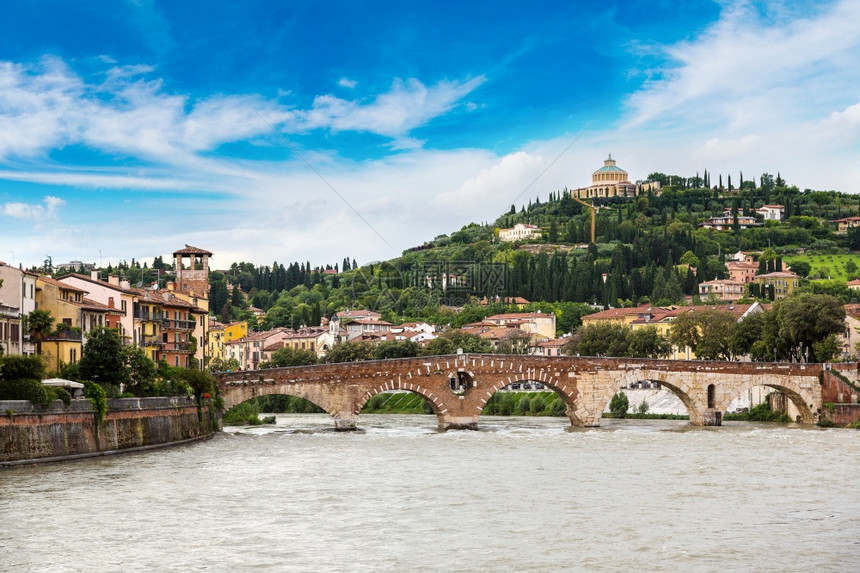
pixel 124 284
pixel 94 275
pixel 114 280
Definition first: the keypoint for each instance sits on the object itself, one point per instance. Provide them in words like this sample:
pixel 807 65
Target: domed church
pixel 608 181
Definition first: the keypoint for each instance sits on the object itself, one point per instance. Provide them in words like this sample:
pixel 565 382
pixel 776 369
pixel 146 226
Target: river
pixel 522 494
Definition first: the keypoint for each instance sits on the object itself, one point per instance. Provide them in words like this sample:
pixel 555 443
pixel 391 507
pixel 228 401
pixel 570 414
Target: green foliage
pixel 619 405
pixel 141 372
pixel 760 413
pixel 509 403
pixel 200 381
pixel 397 403
pixel 349 352
pixel 25 389
pixel 396 349
pixel 221 365
pixel 60 394
pixel 709 333
pixel 102 359
pixel 39 323
pixel 287 356
pixel 98 397
pixel 607 339
pixel 282 404
pixel 16 367
pixel 245 414
pixel 449 342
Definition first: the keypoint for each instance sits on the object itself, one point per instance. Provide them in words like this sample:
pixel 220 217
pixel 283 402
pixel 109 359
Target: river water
pixel 522 494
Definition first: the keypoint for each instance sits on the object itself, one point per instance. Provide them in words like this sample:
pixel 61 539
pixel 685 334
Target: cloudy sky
pixel 280 131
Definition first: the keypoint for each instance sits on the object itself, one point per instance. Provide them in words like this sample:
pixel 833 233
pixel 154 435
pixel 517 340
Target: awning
pixel 62 382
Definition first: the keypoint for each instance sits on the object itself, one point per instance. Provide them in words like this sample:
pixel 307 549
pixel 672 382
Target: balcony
pixel 151 341
pixel 66 335
pixel 184 325
pixel 175 347
pixel 148 316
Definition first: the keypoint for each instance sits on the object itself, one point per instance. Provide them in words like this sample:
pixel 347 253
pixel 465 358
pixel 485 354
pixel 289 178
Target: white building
pixel 17 300
pixel 520 232
pixel 771 212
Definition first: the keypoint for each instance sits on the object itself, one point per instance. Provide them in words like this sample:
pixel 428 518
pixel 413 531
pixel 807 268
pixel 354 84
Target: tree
pixel 805 321
pixel 689 258
pixel 396 349
pixel 604 339
pixel 141 370
pixel 40 323
pixel 350 352
pixel 707 332
pixel 453 340
pixel 287 356
pixel 515 342
pixel 801 268
pixel 102 359
pixel 647 343
pixel 619 405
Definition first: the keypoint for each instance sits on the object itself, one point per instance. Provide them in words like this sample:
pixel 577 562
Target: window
pixel 123 305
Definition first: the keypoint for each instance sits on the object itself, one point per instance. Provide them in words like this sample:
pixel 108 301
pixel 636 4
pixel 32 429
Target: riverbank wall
pixel 30 434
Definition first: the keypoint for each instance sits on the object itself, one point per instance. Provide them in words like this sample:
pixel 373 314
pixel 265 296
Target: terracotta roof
pixel 518 315
pixel 779 275
pixel 852 310
pixel 60 284
pixel 99 283
pixel 616 313
pixel 164 298
pixel 189 250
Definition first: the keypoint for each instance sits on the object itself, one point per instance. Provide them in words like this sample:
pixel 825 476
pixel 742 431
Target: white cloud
pixel 38 213
pixel 345 82
pixel 47 106
pixel 407 105
pixel 762 89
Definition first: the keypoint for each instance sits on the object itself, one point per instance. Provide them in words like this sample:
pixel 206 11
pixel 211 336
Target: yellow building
pixel 220 334
pixel 74 316
pixel 782 282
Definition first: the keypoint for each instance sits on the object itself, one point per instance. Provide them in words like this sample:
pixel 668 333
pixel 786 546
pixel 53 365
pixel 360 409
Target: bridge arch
pixel 552 380
pixel 241 391
pixel 434 400
pixel 677 383
pixel 798 392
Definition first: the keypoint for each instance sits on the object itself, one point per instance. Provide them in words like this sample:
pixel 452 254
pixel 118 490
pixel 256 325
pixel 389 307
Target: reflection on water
pixel 521 494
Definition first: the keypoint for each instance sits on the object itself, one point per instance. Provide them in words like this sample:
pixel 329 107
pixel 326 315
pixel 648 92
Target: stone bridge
pixel 458 386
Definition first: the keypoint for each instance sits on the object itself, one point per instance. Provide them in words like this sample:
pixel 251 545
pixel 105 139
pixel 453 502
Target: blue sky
pixel 287 131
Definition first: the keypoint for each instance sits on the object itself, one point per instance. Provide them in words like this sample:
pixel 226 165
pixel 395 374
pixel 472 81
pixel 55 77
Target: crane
pixel 593 216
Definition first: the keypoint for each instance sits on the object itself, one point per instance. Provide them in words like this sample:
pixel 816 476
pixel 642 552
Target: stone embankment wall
pixel 30 433
pixel 841 400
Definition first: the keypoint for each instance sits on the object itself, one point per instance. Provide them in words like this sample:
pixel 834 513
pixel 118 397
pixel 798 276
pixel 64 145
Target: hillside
pixel 649 248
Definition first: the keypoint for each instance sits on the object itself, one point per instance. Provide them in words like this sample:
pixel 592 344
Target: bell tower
pixel 192 278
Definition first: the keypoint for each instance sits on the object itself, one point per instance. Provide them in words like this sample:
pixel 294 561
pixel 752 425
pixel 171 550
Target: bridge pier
pixel 458 423
pixel 344 424
pixel 712 417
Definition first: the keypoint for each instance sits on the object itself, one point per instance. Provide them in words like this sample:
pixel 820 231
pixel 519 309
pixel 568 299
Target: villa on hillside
pixel 520 232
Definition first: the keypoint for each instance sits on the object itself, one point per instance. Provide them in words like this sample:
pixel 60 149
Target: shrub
pixel 98 397
pixel 60 394
pixel 20 367
pixel 619 404
pixel 25 389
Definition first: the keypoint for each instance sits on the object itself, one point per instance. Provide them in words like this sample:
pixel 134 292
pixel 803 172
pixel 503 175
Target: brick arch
pixel 802 399
pixel 435 401
pixel 566 391
pixel 235 394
